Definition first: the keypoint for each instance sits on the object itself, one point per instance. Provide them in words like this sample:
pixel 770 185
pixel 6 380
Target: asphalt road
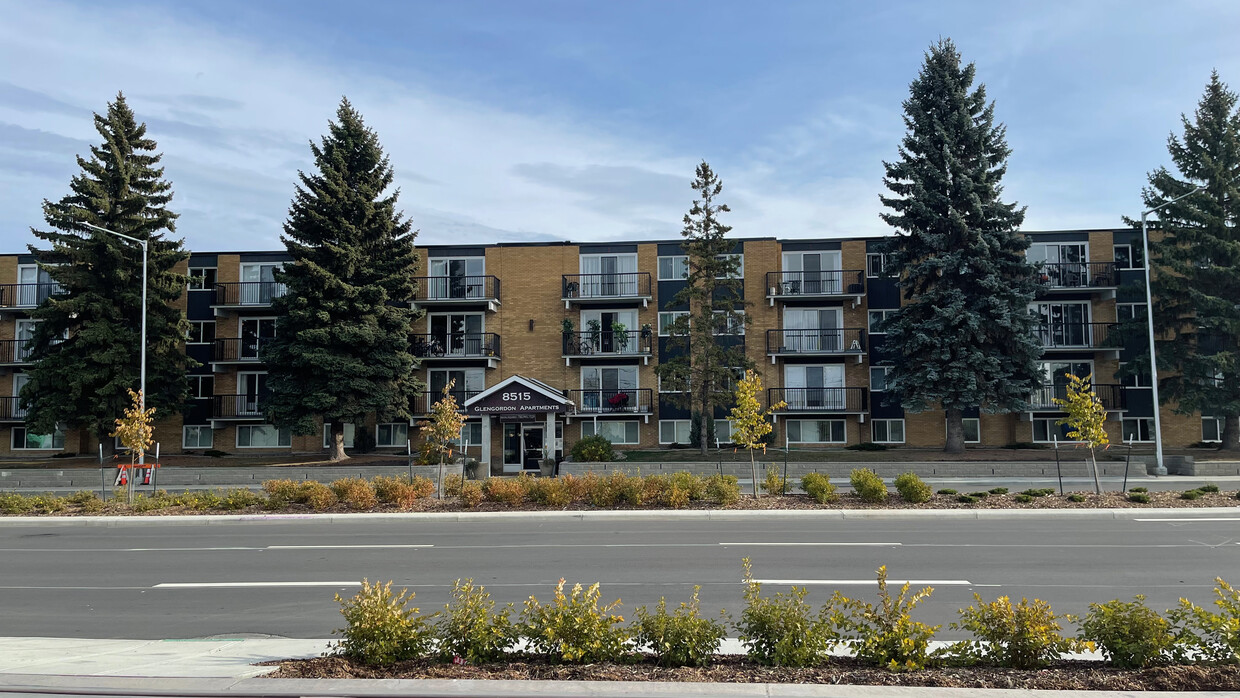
pixel 279 578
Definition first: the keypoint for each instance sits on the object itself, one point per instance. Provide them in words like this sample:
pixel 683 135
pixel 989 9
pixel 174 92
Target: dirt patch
pixel 1063 676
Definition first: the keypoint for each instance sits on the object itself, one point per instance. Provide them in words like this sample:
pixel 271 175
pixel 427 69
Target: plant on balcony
pixel 620 336
pixel 1086 419
pixel 751 423
pixel 596 332
pixel 618 401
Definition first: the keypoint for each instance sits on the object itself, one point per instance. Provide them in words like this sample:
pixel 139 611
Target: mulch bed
pixel 1064 675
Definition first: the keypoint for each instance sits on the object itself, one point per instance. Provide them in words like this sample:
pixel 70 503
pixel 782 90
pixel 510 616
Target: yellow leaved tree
pixel 750 423
pixel 136 434
pixel 443 426
pixel 1086 419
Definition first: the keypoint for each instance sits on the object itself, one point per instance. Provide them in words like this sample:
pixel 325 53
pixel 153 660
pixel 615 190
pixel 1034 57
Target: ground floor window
pixel 348 435
pixel 887 431
pixel 387 435
pixel 816 431
pixel 673 431
pixel 472 433
pixel 972 430
pixel 263 436
pixel 197 437
pixel 616 432
pixel 23 439
pixel 723 431
pixel 1046 430
pixel 1138 429
pixel 1212 429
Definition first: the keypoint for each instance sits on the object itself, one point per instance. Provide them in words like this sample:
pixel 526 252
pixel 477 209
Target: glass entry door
pixel 532 445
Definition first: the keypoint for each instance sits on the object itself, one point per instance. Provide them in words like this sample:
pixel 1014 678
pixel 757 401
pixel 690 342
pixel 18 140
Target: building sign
pixel 516 400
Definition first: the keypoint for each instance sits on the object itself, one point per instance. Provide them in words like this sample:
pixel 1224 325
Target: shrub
pixel 1139 497
pixel 868 485
pixel 1076 497
pixel 356 492
pixel 202 500
pixel 400 491
pixel 452 485
pixel 912 488
pixel 574 628
pixel 947 490
pixel 885 634
pixel 692 485
pixel 471 494
pixel 1129 634
pixel 550 492
pixel 503 490
pixel 143 503
pixel 867 446
pixel 655 489
pixel 722 489
pixel 680 638
pixel 781 629
pixel 1190 494
pixel 1139 489
pixel 240 498
pixel 1204 635
pixel 87 501
pixel 13 503
pixel 471 628
pixel 677 498
pixel 317 495
pixel 1022 636
pixel 593 449
pixel 380 628
pixel 280 493
pixel 1023 498
pixel 1209 488
pixel 999 490
pixel 1044 492
pixel 818 486
pixel 967 499
pixel 774 483
pixel 979 495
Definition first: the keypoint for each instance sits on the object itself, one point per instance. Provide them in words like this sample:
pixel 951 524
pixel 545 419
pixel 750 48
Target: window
pixel 875 265
pixel 1138 429
pixel 729 322
pixel 876 320
pixel 739 272
pixel 348 435
pixel 669 389
pixel 723 431
pixel 1211 429
pixel 615 432
pixel 200 332
pixel 197 437
pixel 673 268
pixel 878 378
pixel 1135 374
pixel 1046 431
pixel 1128 257
pixel 201 387
pixel 468 382
pixel 1131 312
pixel 201 278
pixel 673 431
pixel 816 431
pixel 608 275
pixel 887 431
pixel 815 387
pixel 972 430
pixel 472 433
pixel 396 434
pixel 811 273
pixel 456 278
pixel 666 319
pixel 263 436
pixel 24 440
pixel 457 334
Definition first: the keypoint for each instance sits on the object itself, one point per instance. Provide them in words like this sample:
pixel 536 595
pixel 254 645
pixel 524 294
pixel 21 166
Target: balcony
pixel 457 347
pixel 1081 336
pixel 612 401
pixel 607 344
pixel 11 410
pixel 847 341
pixel 1112 397
pixel 232 350
pixel 15 352
pixel 247 294
pixel 820 400
pixel 831 284
pixel 420 406
pixel 236 407
pixel 1099 277
pixel 604 289
pixel 455 291
pixel 26 296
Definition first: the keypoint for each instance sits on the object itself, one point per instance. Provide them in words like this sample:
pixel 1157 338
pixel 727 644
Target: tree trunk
pixel 955 430
pixel 440 488
pixel 1231 433
pixel 1093 467
pixel 753 470
pixel 337 442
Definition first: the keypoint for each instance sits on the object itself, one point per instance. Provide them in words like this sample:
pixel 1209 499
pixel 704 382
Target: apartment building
pixel 550 342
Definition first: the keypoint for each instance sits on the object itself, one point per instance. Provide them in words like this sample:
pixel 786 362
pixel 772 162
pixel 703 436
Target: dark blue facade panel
pixel 1140 402
pixel 811 245
pixel 265 257
pixel 198 304
pixel 882 294
pixel 203 260
pixel 456 252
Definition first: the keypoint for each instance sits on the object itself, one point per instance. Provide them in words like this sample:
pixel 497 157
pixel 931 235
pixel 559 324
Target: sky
pixel 527 120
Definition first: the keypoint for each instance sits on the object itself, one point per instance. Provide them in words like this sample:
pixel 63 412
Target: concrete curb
pixel 654 515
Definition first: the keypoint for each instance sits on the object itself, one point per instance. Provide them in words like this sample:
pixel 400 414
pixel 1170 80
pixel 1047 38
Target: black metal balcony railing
pixel 1080 335
pixel 831 282
pixel 632 284
pixel 1111 395
pixel 456 288
pixel 456 345
pixel 15 351
pixel 236 406
pixel 27 295
pixel 608 343
pixel 230 349
pixel 421 403
pixel 611 401
pixel 248 293
pixel 847 340
pixel 823 400
pixel 1076 275
pixel 11 410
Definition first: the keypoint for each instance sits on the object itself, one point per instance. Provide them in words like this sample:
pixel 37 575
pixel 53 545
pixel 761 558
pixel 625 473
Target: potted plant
pixel 471 469
pixel 596 332
pixel 547 467
pixel 620 336
pixel 566 329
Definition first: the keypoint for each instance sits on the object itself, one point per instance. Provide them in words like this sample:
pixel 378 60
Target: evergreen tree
pixel 341 350
pixel 965 338
pixel 1197 263
pixel 704 371
pixel 86 348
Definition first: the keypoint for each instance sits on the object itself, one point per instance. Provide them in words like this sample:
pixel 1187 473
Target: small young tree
pixel 750 423
pixel 136 434
pixel 443 427
pixel 1087 419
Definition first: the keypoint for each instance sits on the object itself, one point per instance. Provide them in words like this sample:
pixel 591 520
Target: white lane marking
pixel 1203 518
pixel 857 582
pixel 239 585
pixel 790 545
pixel 347 547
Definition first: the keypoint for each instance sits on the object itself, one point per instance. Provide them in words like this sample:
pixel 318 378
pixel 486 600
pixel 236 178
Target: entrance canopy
pixel 517 395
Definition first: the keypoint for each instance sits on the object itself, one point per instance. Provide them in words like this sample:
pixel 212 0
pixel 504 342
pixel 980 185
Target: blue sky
pixel 583 120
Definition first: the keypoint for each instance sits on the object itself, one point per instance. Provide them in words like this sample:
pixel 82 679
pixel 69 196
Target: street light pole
pixel 142 370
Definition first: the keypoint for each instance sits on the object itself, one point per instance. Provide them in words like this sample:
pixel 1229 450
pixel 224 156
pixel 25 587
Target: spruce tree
pixel 704 371
pixel 86 348
pixel 965 337
pixel 341 350
pixel 1196 281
